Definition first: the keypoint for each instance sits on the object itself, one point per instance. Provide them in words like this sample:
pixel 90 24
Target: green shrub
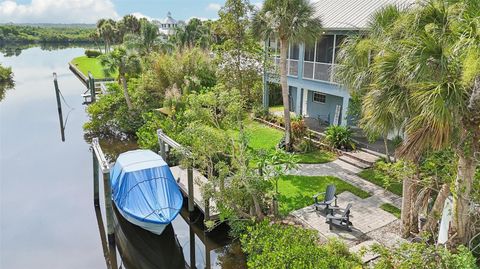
pixel 92 53
pixel 276 246
pixel 339 137
pixel 5 74
pixel 147 134
pixel 422 255
pixel 261 112
pixel 299 129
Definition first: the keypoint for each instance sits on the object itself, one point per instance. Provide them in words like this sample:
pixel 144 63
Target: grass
pixel 297 191
pixel 316 156
pixel 276 108
pixel 262 136
pixel 391 209
pixel 85 64
pixel 375 177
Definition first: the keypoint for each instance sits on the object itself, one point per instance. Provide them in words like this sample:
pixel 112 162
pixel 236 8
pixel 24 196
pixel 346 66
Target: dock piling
pixel 191 205
pixel 91 85
pixel 96 187
pixel 59 106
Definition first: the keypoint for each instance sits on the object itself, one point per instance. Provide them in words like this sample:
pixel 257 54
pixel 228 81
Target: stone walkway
pixel 347 173
pixel 371 224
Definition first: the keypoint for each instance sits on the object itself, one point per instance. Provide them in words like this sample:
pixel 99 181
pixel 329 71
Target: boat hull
pixel 156 228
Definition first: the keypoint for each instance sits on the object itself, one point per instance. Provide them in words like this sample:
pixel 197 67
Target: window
pixel 325 49
pixel 319 97
pixel 294 52
pixel 338 43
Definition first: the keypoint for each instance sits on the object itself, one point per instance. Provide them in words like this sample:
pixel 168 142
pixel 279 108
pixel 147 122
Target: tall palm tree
pixel 126 63
pixel 421 66
pixel 146 41
pixel 288 21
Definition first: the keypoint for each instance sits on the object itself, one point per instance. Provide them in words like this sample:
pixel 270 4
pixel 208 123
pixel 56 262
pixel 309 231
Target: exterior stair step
pixel 362 156
pixel 372 152
pixel 354 162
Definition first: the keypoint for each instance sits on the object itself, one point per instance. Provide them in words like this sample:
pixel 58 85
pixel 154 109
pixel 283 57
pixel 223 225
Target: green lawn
pixel 262 136
pixel 375 177
pixel 391 209
pixel 276 108
pixel 85 64
pixel 296 191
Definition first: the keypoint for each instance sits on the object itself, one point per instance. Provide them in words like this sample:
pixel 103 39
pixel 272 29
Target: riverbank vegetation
pixel 91 64
pixel 24 34
pixel 6 74
pixel 202 90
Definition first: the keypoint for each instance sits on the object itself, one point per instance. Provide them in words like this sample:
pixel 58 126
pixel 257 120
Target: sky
pixel 89 11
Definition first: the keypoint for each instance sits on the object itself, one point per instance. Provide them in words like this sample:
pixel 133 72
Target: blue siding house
pixel 314 92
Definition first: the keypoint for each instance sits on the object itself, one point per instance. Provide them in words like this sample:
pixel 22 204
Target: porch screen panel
pixel 324 51
pixel 308 70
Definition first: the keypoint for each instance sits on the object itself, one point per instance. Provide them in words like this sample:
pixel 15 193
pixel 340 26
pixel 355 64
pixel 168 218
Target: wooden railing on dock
pixel 185 178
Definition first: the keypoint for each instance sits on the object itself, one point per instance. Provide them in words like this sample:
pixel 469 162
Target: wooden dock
pixel 181 176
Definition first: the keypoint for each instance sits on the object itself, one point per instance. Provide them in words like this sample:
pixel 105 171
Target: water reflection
pixel 4 87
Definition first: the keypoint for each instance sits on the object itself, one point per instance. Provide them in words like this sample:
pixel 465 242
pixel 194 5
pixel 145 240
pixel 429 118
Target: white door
pixel 305 101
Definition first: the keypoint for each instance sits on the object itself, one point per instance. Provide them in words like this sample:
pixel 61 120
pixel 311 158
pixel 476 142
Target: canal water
pixel 47 216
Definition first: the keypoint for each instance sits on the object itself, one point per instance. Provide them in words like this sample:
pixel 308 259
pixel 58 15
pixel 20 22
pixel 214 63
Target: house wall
pixel 298 84
pixel 315 109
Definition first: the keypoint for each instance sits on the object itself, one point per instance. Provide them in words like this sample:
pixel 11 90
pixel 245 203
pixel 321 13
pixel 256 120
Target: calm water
pixel 47 215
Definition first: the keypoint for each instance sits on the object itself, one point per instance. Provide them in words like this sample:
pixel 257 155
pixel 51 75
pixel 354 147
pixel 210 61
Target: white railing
pixel 319 71
pixel 292 66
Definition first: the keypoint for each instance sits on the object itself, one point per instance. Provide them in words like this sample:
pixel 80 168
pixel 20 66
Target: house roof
pixel 351 14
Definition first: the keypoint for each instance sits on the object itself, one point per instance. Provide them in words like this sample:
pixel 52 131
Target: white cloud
pixel 57 11
pixel 214 7
pixel 140 16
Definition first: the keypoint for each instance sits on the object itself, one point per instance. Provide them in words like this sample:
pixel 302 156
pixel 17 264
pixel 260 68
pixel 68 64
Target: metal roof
pixel 351 14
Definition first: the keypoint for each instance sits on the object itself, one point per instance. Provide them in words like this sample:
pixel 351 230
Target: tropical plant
pixel 126 63
pixel 270 246
pixel 339 137
pixel 422 255
pixel 146 40
pixel 288 21
pixel 194 33
pixel 239 55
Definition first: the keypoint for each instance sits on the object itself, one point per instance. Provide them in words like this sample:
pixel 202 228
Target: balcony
pixel 292 66
pixel 318 71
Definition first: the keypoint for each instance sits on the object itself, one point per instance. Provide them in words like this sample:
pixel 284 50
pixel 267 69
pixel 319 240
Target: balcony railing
pixel 318 71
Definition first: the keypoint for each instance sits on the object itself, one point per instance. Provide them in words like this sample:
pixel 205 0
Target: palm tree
pixel 126 63
pixel 146 41
pixel 289 21
pixel 420 66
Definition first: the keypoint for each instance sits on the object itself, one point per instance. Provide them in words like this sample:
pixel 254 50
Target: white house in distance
pixel 167 26
pixel 314 91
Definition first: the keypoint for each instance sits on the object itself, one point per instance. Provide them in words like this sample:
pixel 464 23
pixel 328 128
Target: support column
pixel 266 91
pixel 298 104
pixel 345 103
pixel 305 102
pixel 91 83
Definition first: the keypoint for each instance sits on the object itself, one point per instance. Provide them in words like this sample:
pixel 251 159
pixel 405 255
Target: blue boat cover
pixel 144 188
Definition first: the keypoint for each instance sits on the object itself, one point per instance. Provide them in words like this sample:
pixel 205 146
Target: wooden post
pixel 91 83
pixel 207 210
pixel 192 244
pixel 162 150
pixel 96 187
pixel 108 207
pixel 191 203
pixel 59 106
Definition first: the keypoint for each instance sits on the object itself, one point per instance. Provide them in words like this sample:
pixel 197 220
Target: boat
pixel 144 190
pixel 139 248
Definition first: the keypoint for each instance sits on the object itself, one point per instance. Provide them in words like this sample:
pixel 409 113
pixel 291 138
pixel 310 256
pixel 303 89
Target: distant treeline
pixel 23 34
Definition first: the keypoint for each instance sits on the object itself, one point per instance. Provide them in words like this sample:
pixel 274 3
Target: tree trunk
pixel 258 208
pixel 387 153
pixel 125 92
pixel 285 92
pixel 406 207
pixel 436 213
pixel 463 186
pixel 417 207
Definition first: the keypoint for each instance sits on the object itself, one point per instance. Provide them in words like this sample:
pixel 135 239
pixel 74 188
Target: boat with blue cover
pixel 144 190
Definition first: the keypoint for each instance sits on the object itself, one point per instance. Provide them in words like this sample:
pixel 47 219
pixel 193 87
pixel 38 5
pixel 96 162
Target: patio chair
pixel 329 198
pixel 340 221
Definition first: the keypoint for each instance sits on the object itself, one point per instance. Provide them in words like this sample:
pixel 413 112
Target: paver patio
pixel 365 216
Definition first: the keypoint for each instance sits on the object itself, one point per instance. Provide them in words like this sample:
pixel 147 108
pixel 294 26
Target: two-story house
pixel 314 91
